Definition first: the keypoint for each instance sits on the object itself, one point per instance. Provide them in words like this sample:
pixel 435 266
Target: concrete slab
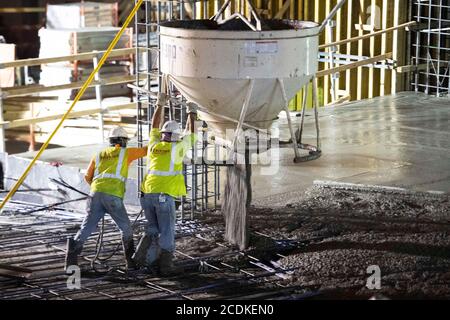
pixel 401 140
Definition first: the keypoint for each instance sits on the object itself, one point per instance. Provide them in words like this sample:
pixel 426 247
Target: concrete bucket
pixel 232 71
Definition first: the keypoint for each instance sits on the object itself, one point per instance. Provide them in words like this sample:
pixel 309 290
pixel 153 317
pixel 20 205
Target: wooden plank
pixel 300 10
pixel 411 68
pixel 280 4
pixel 371 89
pixel 317 10
pixel 258 4
pixel 306 10
pixel 292 10
pixel 367 36
pixel 75 57
pixel 384 26
pixel 327 79
pixel 399 46
pixel 27 90
pixel 340 27
pixel 23 10
pixel 26 100
pixel 74 114
pixel 339 101
pixel 321 38
pixel 350 74
pixel 283 9
pixel 385 76
pixel 370 80
pixel 354 65
pixel 362 74
pixel 343 16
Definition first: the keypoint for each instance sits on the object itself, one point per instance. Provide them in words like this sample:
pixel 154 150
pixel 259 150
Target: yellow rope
pixel 77 98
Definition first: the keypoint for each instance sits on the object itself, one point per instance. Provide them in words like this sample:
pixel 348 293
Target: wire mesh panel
pixel 431 47
pixel 202 179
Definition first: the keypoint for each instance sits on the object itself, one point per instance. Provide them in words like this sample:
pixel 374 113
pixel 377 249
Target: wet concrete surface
pixel 401 140
pixel 406 236
pixel 331 237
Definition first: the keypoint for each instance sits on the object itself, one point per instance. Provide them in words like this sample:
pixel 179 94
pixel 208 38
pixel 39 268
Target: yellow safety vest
pixel 165 166
pixel 111 171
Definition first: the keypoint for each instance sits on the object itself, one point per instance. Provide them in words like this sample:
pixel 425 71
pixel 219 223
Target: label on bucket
pixel 250 62
pixel 256 47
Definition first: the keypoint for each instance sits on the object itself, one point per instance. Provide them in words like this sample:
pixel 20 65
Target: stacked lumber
pixel 22 107
pixel 75 131
pixel 63 42
pixel 81 15
pixel 73 29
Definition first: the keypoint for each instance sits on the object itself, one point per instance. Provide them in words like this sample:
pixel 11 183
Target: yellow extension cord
pixel 77 98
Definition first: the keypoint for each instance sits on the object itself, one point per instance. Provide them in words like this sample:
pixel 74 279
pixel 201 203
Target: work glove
pixel 191 107
pixel 162 99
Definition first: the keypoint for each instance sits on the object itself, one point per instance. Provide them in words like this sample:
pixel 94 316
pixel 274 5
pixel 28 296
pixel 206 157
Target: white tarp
pixel 7 53
pixel 62 42
pixel 80 15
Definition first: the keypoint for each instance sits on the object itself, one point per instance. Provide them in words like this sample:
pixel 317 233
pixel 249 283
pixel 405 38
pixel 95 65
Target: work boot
pixel 73 249
pixel 166 266
pixel 128 250
pixel 147 252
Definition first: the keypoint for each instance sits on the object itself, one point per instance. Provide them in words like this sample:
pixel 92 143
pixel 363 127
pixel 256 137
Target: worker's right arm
pixel 158 115
pixel 90 172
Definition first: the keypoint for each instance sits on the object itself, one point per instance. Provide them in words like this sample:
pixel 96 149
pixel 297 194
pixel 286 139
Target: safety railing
pixel 27 90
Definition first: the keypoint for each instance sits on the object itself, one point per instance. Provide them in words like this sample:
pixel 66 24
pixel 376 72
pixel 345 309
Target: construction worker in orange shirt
pixel 107 174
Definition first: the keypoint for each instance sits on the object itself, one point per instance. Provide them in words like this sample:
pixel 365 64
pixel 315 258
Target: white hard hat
pixel 118 132
pixel 172 127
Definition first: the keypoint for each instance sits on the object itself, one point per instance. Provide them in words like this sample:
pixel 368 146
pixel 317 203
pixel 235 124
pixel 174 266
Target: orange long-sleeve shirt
pixel 133 154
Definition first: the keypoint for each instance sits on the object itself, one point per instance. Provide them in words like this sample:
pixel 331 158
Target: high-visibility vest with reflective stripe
pixel 111 171
pixel 165 169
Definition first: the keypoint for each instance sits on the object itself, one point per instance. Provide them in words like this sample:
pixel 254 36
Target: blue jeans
pixel 97 205
pixel 159 210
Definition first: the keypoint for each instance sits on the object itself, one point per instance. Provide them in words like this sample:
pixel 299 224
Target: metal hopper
pixel 241 70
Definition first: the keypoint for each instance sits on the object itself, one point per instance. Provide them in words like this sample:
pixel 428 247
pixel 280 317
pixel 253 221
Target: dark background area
pixel 22 28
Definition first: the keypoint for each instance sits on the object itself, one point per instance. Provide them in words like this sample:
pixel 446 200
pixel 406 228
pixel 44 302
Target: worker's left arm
pixel 90 172
pixel 191 110
pixel 158 115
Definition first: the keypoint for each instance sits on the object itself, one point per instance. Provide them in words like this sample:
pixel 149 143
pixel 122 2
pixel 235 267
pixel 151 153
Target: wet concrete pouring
pixel 319 247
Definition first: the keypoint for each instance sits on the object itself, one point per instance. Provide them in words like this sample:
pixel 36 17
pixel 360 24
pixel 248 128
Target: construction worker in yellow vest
pixel 107 174
pixel 163 183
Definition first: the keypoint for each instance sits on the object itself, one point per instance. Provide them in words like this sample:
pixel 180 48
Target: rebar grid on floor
pixel 37 242
pixel 431 47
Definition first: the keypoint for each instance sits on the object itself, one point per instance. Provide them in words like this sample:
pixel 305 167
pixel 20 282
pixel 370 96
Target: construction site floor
pixel 307 241
pixel 321 247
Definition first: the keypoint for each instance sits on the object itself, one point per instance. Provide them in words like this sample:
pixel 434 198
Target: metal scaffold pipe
pixel 75 101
